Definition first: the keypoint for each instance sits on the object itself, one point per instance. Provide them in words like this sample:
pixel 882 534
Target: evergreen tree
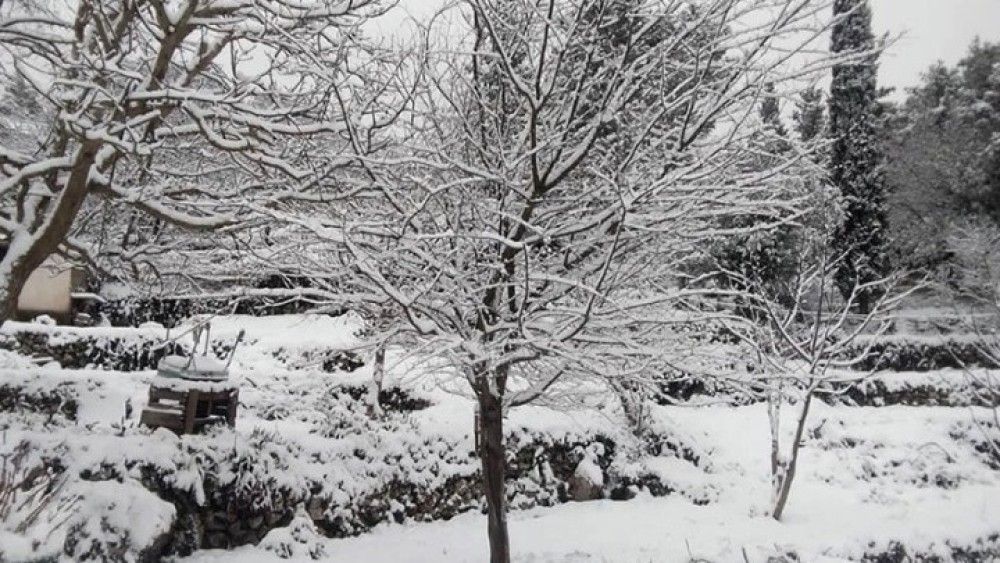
pixel 762 258
pixel 770 112
pixel 856 158
pixel 943 166
pixel 981 76
pixel 808 117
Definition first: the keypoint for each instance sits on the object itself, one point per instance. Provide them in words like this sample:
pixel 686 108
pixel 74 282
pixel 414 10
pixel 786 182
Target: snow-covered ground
pixel 670 529
pixel 870 477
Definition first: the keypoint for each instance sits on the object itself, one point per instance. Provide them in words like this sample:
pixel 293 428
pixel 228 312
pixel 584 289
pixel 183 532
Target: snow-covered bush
pixel 299 539
pixel 109 349
pixel 119 349
pixel 118 523
pixel 134 311
pixel 914 352
pixel 21 397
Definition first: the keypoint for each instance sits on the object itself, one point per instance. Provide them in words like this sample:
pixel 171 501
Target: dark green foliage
pixel 169 312
pixel 809 117
pixel 625 31
pixel 901 354
pixel 944 148
pixel 856 156
pixel 50 402
pixel 142 352
pixel 81 350
pixel 762 259
pixel 770 113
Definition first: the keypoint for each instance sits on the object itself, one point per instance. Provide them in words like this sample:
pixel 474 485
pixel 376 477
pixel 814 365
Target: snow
pixel 672 529
pixel 869 476
pixel 588 468
pixel 300 331
pixel 195 366
pixel 127 508
pixel 177 384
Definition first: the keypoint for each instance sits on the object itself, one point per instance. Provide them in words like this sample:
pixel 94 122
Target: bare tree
pixel 974 288
pixel 807 346
pixel 554 169
pixel 184 112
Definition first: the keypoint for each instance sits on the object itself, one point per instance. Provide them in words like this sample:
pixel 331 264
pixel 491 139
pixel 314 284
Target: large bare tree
pixel 555 169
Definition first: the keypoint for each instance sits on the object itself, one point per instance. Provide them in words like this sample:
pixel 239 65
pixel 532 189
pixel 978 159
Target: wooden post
pixel 190 411
pixel 234 401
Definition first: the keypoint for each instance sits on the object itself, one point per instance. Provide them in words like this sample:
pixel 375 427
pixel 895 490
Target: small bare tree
pixel 807 345
pixel 974 288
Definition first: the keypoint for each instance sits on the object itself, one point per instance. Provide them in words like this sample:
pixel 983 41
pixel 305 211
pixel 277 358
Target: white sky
pixel 930 30
pixel 933 30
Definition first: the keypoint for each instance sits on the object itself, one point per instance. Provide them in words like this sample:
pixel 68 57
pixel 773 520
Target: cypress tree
pixel 808 116
pixel 770 112
pixel 856 157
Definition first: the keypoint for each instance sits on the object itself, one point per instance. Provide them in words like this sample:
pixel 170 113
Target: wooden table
pixel 186 406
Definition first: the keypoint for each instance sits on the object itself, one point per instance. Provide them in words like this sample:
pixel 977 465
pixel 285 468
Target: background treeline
pixel 943 166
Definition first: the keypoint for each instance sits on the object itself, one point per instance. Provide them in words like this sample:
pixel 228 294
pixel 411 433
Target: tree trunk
pixel 14 271
pixel 375 385
pixel 788 475
pixel 865 300
pixel 491 453
pixel 9 295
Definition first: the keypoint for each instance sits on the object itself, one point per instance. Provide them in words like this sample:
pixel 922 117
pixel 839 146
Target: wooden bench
pixel 188 407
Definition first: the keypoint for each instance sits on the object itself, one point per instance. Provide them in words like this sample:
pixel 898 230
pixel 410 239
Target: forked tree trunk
pixel 491 453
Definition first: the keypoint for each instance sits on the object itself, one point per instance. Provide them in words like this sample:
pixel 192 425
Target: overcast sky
pixel 933 30
pixel 930 30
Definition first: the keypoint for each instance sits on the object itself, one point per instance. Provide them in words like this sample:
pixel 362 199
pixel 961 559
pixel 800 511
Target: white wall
pixel 48 288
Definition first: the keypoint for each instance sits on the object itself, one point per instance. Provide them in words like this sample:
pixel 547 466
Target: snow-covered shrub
pixel 118 349
pixel 75 348
pixel 20 398
pixel 326 359
pixel 226 490
pixel 299 539
pixel 134 311
pixel 545 465
pixel 904 352
pixel 118 522
pixel 983 436
pixel 983 549
pixel 587 482
pixel 941 388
